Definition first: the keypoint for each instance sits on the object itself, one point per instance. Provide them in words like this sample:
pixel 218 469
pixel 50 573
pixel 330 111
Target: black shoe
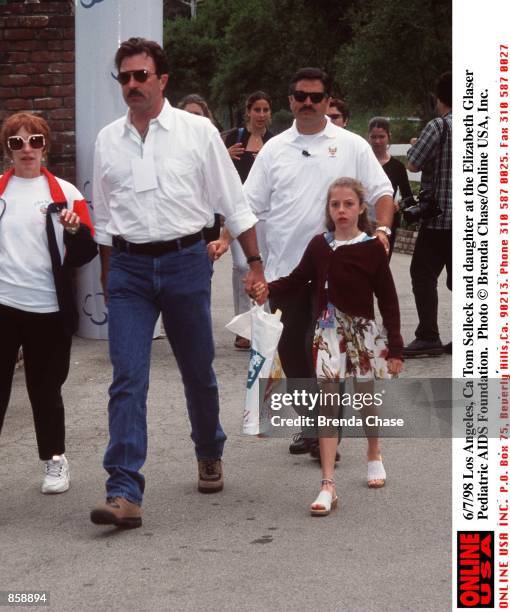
pixel 301 445
pixel 315 453
pixel 421 348
pixel 448 348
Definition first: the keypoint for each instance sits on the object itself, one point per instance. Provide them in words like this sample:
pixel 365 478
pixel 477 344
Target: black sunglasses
pixel 140 76
pixel 36 141
pixel 315 96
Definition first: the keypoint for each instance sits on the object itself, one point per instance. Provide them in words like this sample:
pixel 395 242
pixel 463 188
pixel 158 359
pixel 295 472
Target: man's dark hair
pixel 444 88
pixel 136 45
pixel 310 74
pixel 341 106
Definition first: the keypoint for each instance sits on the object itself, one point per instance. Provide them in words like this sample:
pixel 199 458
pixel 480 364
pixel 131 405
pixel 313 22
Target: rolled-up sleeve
pixel 224 188
pixel 257 187
pixel 101 211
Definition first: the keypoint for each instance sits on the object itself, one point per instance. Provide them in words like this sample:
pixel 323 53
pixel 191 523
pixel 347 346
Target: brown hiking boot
pixel 117 511
pixel 210 475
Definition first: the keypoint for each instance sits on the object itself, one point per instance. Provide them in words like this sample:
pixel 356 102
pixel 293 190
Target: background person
pixel 40 243
pixel 432 154
pixel 243 145
pixel 196 105
pixel 379 139
pixel 338 112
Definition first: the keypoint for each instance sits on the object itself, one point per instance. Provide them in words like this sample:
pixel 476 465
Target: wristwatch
pixel 383 228
pixel 252 258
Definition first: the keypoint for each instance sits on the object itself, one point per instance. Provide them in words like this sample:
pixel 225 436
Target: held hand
pixel 260 292
pixel 70 221
pixel 236 150
pixel 384 239
pixel 216 249
pixel 254 278
pixel 395 366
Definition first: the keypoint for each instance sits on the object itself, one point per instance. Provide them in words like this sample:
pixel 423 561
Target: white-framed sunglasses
pixel 35 141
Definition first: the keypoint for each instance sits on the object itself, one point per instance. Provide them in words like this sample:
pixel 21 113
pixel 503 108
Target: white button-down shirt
pixel 288 184
pixel 194 178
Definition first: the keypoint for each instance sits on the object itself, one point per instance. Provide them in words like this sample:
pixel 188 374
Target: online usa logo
pixel 475 569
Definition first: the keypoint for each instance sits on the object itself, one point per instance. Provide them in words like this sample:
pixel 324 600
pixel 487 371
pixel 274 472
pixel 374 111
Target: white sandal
pixel 325 500
pixel 376 474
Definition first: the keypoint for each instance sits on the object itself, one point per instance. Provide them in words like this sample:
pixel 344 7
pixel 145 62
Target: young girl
pixel 347 268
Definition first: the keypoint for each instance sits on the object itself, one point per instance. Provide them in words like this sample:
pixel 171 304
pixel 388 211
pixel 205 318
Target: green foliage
pixel 397 52
pixel 379 54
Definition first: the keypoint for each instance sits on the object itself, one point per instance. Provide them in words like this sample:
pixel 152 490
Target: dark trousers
pixel 295 346
pixel 46 353
pixel 432 252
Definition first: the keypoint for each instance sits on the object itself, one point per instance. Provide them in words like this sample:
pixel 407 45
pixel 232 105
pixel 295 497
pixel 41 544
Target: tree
pixel 376 52
pixel 398 50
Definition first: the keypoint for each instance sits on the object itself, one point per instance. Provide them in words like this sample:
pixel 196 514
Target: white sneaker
pixel 56 477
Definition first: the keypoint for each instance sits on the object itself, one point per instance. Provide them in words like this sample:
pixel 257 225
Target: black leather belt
pixel 155 249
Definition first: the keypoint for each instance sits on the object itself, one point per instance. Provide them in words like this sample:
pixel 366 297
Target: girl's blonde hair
pixel 363 223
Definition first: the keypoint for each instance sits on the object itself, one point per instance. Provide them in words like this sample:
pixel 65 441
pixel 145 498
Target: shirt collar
pixel 164 118
pixel 329 131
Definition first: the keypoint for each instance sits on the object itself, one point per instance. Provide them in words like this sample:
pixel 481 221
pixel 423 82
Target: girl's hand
pixel 259 292
pixel 70 221
pixel 395 365
pixel 236 150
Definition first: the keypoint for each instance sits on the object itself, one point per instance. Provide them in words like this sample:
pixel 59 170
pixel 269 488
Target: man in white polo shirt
pixel 287 187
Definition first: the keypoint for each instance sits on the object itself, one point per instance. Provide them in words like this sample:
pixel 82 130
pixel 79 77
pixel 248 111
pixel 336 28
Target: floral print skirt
pixel 345 346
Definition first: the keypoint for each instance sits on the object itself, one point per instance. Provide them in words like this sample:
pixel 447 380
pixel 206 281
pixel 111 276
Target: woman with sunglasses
pixel 243 144
pixel 45 230
pixel 379 138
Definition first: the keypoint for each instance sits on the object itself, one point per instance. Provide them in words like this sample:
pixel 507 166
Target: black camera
pixel 425 208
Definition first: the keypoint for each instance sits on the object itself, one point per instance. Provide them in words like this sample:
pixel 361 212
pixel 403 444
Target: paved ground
pixel 251 547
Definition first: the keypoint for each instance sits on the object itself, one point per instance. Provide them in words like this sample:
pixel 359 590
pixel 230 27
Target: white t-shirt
pixel 26 277
pixel 288 183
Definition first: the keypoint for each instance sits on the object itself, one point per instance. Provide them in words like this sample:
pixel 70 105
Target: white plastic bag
pixel 264 333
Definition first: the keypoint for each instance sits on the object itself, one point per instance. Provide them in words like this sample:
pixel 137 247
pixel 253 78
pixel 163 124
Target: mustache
pixel 134 93
pixel 307 108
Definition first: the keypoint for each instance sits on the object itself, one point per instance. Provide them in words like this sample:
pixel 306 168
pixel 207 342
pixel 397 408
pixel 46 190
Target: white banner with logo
pixel 101 25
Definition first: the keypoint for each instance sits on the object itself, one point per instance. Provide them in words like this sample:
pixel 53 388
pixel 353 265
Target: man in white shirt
pixel 287 186
pixel 159 175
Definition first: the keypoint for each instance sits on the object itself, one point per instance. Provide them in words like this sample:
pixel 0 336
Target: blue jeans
pixel 177 284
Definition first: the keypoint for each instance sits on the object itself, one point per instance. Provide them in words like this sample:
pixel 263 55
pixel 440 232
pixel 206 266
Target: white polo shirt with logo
pixel 288 184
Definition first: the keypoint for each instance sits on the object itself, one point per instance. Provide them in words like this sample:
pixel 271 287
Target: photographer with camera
pixel 432 154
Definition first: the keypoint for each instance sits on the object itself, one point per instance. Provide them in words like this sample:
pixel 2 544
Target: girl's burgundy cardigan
pixel 354 273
